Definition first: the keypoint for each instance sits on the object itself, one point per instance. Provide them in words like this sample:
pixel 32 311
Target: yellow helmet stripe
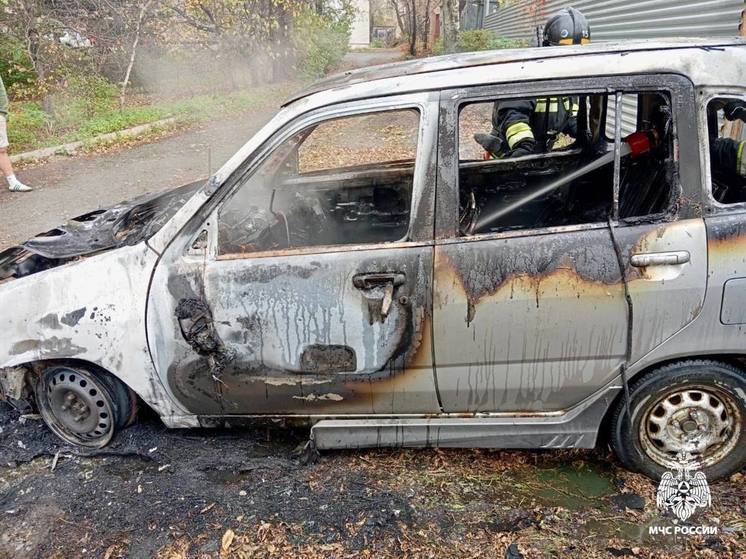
pixel 570 41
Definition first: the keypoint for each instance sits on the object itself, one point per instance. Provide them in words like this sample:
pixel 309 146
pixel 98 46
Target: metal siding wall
pixel 625 19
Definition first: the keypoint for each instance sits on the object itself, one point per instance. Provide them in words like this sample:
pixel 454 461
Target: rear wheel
pixel 694 407
pixel 84 406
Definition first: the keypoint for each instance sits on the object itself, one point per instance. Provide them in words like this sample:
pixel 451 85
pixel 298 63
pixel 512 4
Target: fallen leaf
pixel 227 539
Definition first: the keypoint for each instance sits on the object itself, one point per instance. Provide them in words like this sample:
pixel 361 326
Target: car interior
pixel 295 201
pixel 488 184
pixel 728 185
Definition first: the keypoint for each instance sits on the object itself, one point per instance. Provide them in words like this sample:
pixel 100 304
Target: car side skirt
pixel 575 428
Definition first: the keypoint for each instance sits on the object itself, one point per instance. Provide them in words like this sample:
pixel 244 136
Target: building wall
pixel 625 19
pixel 360 36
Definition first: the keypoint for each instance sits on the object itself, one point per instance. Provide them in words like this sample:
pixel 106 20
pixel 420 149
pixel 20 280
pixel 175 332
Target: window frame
pixel 418 231
pixel 712 206
pixel 452 101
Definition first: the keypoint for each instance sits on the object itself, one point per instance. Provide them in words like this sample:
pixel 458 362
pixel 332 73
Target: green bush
pixel 479 39
pixel 321 41
pixel 15 65
pixel 83 97
pixel 93 93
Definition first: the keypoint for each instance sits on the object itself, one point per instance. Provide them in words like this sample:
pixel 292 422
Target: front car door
pixel 531 281
pixel 306 289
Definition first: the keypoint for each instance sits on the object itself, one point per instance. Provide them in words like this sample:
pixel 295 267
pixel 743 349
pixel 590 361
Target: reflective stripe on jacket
pixel 541 120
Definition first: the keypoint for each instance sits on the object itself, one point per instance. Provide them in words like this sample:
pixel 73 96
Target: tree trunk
pixel 133 54
pixel 399 17
pixel 34 51
pixel 426 27
pixel 449 18
pixel 413 27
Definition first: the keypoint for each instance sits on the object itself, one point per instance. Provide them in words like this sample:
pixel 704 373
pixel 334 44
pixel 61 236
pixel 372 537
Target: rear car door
pixel 530 309
pixel 660 230
pixel 307 289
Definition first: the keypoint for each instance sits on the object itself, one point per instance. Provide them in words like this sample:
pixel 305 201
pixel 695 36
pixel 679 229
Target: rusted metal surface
pixel 535 322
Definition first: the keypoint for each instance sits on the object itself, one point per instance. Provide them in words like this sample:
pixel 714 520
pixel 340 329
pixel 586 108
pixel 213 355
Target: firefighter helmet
pixel 567 27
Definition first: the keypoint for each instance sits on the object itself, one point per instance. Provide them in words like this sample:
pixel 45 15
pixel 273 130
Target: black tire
pixel 666 400
pixel 84 406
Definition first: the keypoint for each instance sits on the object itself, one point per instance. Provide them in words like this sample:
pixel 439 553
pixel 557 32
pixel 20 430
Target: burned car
pixel 362 265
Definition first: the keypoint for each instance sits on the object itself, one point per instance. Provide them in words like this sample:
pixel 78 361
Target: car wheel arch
pixel 36 368
pixel 733 359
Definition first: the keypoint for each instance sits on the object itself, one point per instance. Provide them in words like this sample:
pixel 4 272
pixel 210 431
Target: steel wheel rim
pixel 76 407
pixel 702 421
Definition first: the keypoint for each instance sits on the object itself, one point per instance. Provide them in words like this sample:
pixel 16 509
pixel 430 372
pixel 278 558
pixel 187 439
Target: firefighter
pixel 728 157
pixel 528 126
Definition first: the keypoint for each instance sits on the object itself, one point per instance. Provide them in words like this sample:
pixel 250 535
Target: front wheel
pixel 697 408
pixel 83 406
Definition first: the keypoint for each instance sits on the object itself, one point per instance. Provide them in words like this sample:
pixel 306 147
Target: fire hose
pixel 633 145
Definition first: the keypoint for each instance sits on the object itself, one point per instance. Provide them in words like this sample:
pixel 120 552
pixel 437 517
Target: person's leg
pixel 6 167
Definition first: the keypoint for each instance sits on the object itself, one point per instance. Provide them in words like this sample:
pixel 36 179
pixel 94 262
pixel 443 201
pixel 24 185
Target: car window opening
pixel 555 167
pixel 725 117
pixel 344 181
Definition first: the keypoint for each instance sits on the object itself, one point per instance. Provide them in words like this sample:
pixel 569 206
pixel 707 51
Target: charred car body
pixel 360 265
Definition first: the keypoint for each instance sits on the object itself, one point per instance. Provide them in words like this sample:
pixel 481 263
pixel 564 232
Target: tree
pixel 449 18
pixel 136 14
pixel 30 23
pixel 258 28
pixel 413 18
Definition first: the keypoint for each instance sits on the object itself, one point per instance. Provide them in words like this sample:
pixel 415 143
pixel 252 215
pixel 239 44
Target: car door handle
pixel 378 288
pixel 660 258
pixel 377 279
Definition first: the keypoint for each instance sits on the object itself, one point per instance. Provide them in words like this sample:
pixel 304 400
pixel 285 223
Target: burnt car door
pixel 306 287
pixel 531 267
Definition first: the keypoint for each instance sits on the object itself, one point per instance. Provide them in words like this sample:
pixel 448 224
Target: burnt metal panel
pixel 665 297
pixel 270 310
pixel 576 429
pixel 263 311
pixel 535 322
pixel 421 67
pixel 328 358
pixel 91 310
pixel 706 334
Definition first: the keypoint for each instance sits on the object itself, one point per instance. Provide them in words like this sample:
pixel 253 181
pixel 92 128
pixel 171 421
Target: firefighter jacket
pixel 728 156
pixel 541 120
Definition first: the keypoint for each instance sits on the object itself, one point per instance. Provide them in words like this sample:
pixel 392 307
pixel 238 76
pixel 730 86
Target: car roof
pixel 411 68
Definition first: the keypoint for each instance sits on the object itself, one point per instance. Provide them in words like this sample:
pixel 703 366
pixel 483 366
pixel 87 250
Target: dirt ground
pixel 255 493
pixel 250 493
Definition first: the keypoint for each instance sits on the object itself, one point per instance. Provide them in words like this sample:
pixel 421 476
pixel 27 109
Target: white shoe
pixel 18 186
